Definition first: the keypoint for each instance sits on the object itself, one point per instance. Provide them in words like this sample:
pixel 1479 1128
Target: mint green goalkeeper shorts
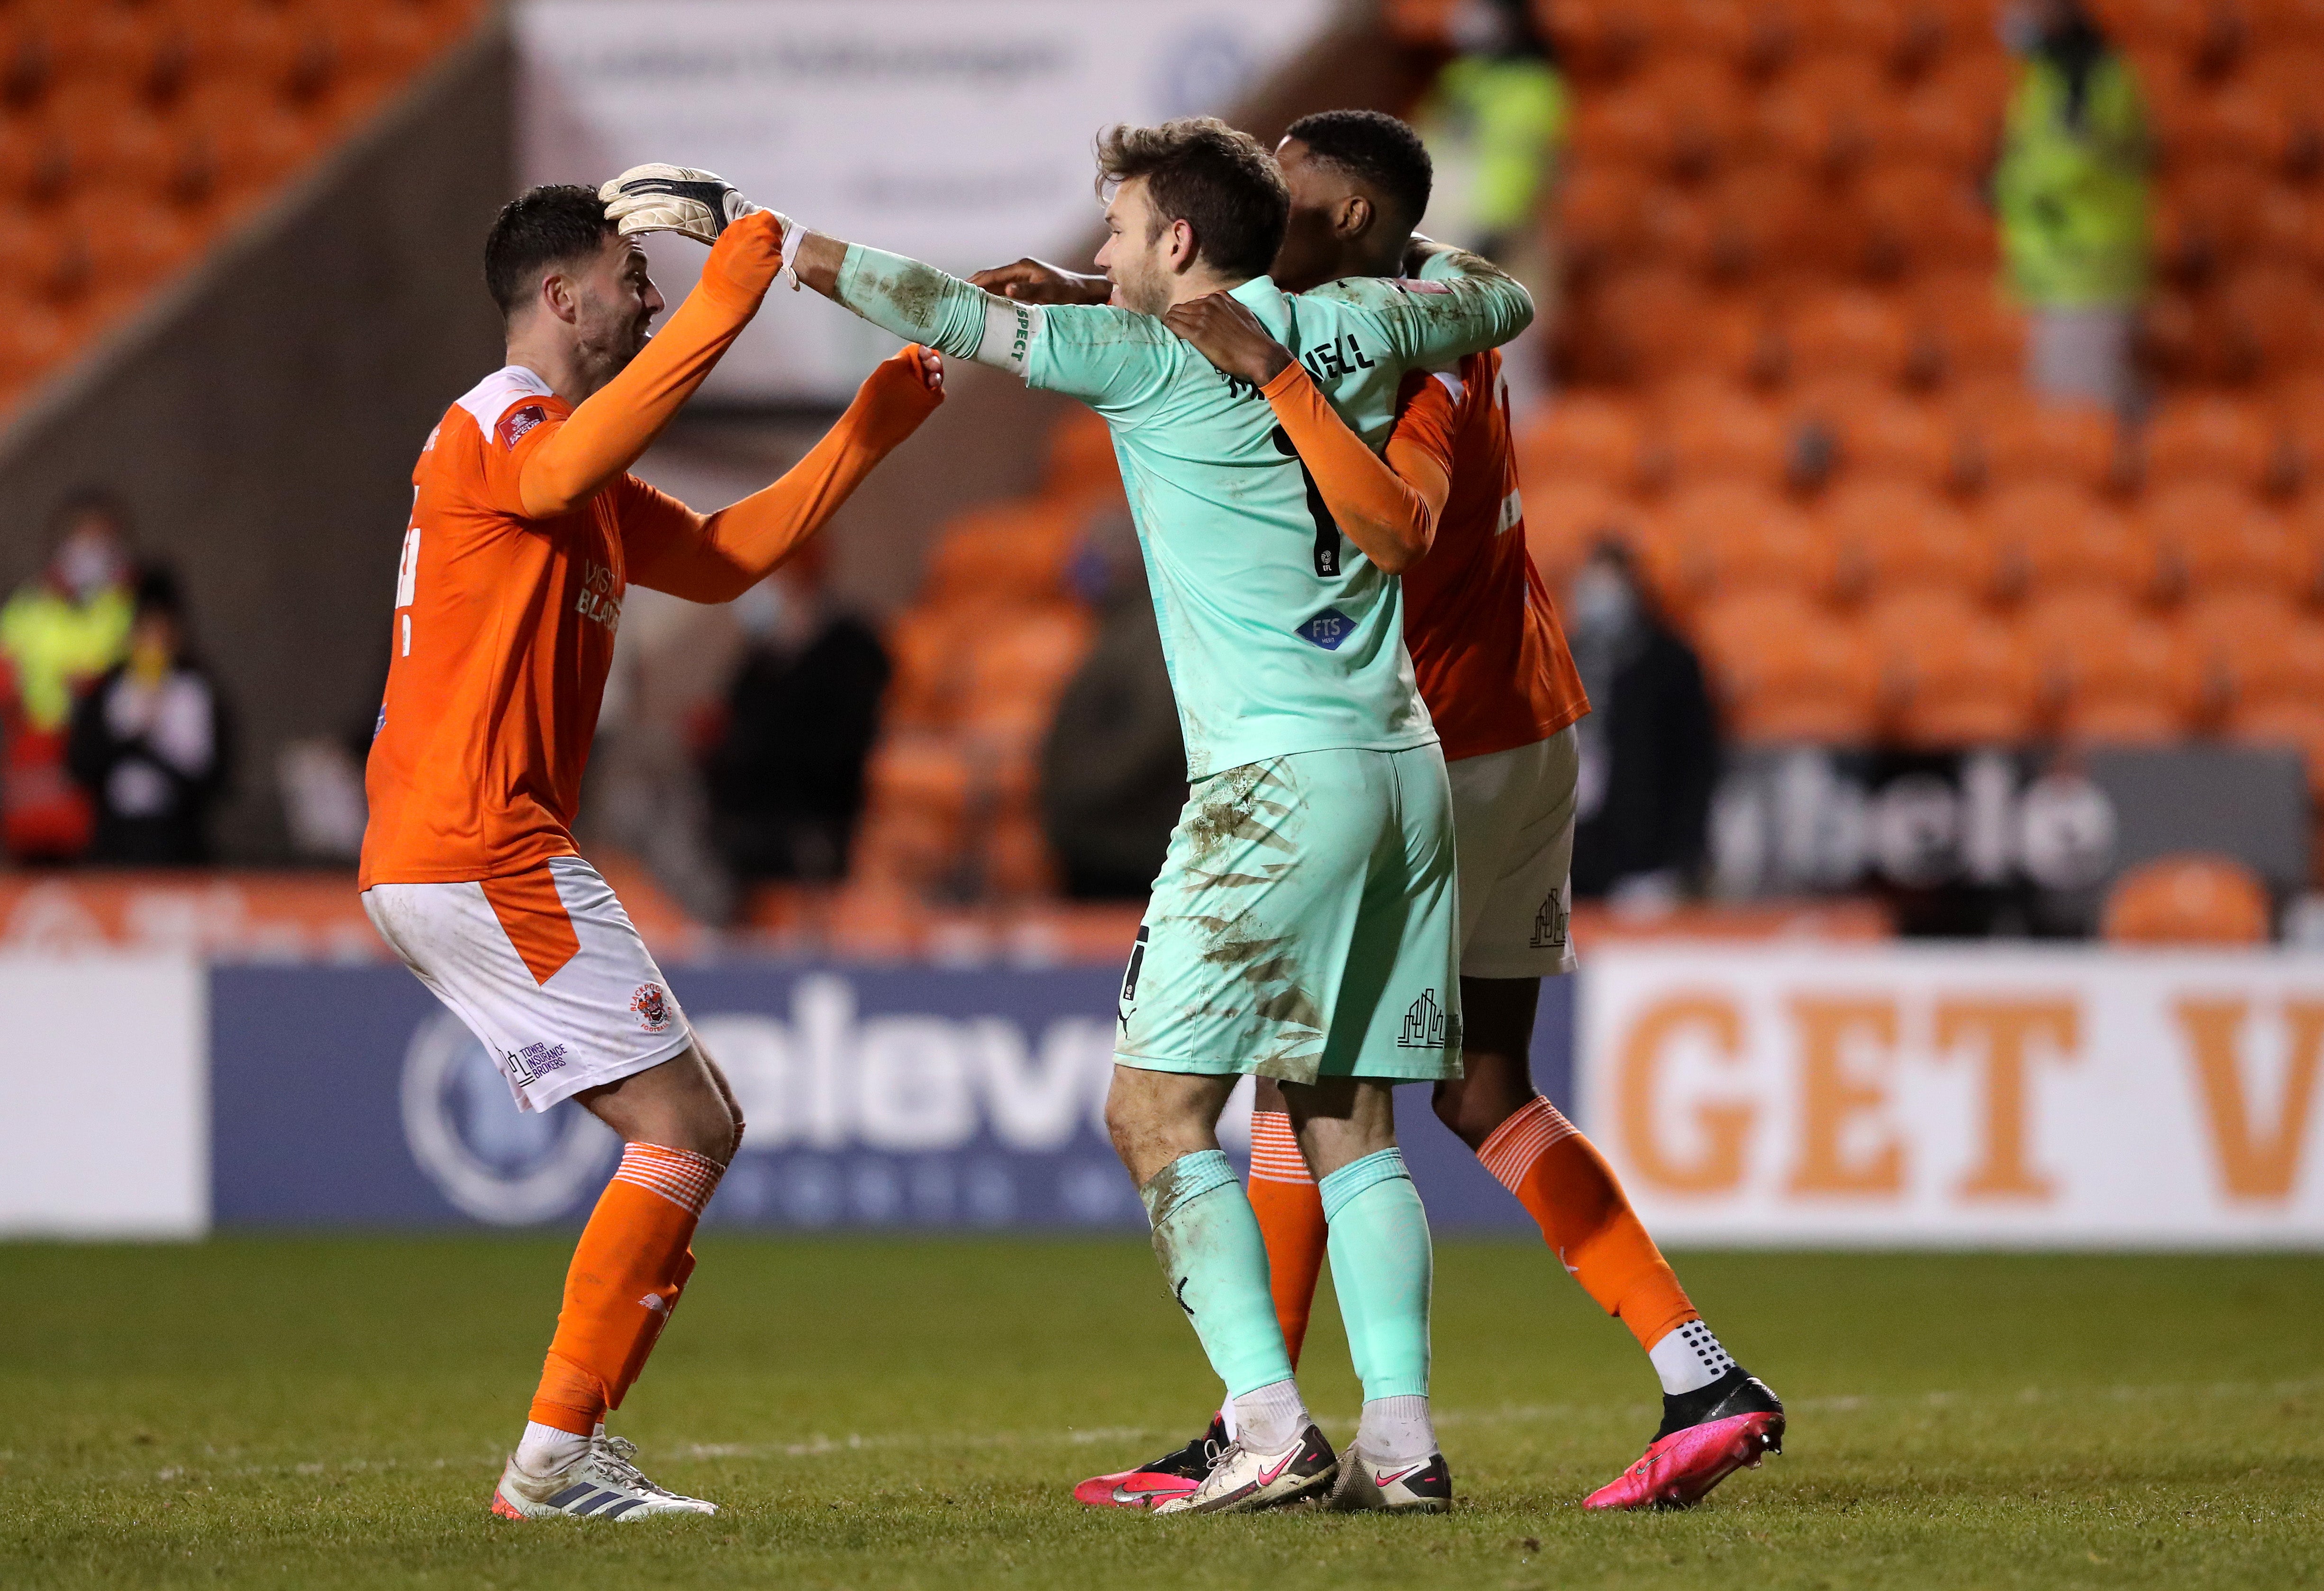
pixel 1305 926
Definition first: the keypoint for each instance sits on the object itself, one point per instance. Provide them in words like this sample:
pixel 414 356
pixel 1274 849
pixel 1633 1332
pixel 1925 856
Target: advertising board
pixel 2014 1096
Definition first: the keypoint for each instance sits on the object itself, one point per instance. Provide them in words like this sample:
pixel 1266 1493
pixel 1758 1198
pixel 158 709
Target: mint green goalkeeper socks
pixel 1381 1267
pixel 1215 1261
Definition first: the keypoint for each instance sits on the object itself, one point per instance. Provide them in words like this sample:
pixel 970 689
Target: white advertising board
pixel 958 133
pixel 1903 1096
pixel 105 1089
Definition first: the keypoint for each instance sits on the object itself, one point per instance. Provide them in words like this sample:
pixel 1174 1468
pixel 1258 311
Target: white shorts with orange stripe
pixel 547 971
pixel 1513 833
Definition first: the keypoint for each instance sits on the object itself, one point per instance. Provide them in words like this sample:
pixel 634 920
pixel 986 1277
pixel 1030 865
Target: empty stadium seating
pixel 133 133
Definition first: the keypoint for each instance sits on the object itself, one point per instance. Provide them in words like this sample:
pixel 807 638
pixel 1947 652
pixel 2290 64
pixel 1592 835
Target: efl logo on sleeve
pixel 517 422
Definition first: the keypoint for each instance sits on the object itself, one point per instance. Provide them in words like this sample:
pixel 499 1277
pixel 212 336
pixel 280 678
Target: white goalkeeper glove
pixel 698 204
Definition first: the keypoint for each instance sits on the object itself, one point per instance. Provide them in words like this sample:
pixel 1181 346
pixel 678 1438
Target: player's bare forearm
pixel 1037 281
pixel 1389 514
pixel 1223 331
pixel 723 555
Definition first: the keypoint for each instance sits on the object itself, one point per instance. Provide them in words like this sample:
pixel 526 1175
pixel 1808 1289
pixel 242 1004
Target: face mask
pixel 1602 601
pixel 88 565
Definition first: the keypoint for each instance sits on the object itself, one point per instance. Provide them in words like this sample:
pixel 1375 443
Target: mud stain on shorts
pixel 1231 807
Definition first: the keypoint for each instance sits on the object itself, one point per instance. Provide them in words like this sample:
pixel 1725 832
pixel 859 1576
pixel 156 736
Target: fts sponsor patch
pixel 517 422
pixel 1326 630
pixel 652 1007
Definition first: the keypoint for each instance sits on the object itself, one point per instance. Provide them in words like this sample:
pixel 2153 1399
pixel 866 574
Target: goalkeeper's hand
pixel 698 204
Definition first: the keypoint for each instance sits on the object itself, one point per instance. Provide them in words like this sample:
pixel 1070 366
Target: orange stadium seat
pixel 2207 215
pixel 1016 668
pixel 1789 672
pixel 1599 211
pixel 1425 22
pixel 1962 314
pixel 1082 464
pixel 2213 438
pixel 1925 217
pixel 1018 863
pixel 1829 112
pixel 1584 436
pixel 1962 678
pixel 1712 430
pixel 925 643
pixel 1595 38
pixel 2054 535
pixel 1724 30
pixel 1898 437
pixel 2139 682
pixel 2277 664
pixel 1850 331
pixel 2188 899
pixel 2014 437
pixel 1699 106
pixel 2271 307
pixel 1732 536
pixel 1677 225
pixel 2254 642
pixel 1902 538
pixel 1952 116
pixel 1013 552
pixel 1766 213
pixel 2216 535
pixel 1565 518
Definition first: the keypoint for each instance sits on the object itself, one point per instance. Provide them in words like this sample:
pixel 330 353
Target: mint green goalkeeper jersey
pixel 1281 636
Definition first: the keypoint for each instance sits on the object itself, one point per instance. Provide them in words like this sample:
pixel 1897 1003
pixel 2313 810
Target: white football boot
pixel 1242 1481
pixel 601 1484
pixel 1364 1486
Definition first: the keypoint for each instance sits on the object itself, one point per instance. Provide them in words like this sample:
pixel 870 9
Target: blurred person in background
pixel 1649 749
pixel 786 773
pixel 1493 120
pixel 58 633
pixel 2071 189
pixel 1113 764
pixel 148 741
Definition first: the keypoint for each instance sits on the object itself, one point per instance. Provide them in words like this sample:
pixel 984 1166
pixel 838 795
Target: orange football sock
pixel 1290 1221
pixel 1568 1188
pixel 627 1270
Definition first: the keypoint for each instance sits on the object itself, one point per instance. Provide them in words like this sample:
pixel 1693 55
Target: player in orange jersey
pixel 1501 685
pixel 526 531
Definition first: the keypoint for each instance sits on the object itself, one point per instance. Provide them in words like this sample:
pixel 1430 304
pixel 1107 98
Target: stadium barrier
pixel 1775 1094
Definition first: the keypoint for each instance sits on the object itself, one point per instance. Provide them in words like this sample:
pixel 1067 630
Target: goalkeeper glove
pixel 698 204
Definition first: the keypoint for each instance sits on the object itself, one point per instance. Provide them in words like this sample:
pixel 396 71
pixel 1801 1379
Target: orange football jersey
pixel 501 640
pixel 1486 644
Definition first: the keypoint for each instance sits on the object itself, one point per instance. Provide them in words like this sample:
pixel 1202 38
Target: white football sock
pixel 1272 1418
pixel 1227 1418
pixel 1688 1358
pixel 1396 1430
pixel 546 1449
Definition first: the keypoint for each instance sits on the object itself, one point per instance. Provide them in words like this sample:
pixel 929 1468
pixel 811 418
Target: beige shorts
pixel 547 971
pixel 1513 828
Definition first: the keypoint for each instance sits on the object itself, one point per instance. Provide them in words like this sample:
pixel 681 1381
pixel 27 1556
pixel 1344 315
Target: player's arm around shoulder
pixel 1458 304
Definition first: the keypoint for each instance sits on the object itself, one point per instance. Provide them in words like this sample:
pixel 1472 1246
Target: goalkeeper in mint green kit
pixel 1303 926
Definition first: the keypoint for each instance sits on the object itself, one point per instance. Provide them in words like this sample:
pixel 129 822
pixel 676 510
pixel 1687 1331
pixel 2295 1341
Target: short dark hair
pixel 1219 181
pixel 1376 149
pixel 551 224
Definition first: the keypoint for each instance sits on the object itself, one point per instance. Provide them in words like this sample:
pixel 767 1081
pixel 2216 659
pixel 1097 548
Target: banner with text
pixel 1922 1096
pixel 959 134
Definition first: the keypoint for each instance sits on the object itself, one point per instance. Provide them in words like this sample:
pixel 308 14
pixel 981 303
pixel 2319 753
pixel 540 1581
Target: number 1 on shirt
pixel 1327 532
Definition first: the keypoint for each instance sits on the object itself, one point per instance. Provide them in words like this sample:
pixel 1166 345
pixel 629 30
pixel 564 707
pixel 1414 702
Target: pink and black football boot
pixel 1706 1435
pixel 1174 1475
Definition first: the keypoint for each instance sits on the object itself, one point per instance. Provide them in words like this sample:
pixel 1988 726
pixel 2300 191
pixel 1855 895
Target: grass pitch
pixel 273 1412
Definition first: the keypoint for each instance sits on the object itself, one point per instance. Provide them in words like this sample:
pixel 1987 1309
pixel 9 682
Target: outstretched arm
pixel 1463 304
pixel 618 422
pixel 1388 508
pixel 918 301
pixel 717 558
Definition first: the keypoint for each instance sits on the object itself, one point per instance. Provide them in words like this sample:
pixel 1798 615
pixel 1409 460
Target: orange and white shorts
pixel 1513 831
pixel 547 971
